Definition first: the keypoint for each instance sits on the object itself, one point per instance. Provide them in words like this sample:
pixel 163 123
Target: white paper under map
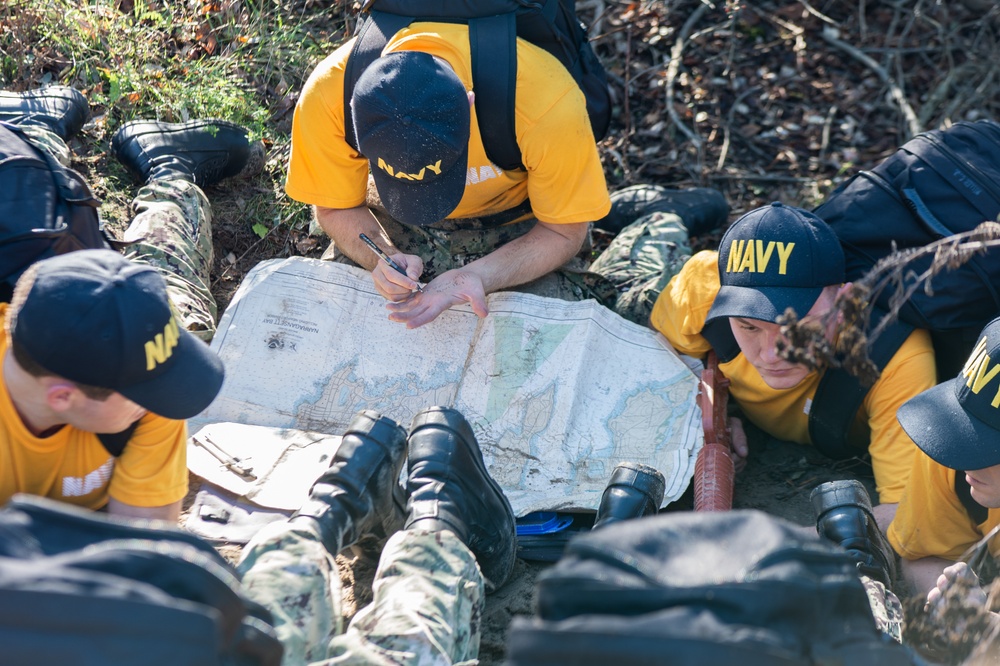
pixel 556 392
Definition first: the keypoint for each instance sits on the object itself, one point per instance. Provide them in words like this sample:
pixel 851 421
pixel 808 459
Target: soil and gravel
pixel 764 100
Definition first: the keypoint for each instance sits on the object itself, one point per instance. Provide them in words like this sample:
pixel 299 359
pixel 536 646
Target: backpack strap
pixel 114 442
pixel 977 512
pixel 719 334
pixel 493 41
pixel 840 394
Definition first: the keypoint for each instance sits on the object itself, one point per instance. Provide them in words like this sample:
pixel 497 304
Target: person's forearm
pixel 922 574
pixel 170 512
pixel 539 252
pixel 344 226
pixel 884 513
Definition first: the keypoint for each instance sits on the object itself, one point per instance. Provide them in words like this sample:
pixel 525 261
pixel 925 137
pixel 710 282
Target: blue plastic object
pixel 543 522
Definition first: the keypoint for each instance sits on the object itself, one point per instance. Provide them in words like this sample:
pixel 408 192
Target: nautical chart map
pixel 557 392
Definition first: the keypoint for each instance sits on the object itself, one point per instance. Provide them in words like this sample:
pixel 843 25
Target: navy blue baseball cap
pixel 774 258
pixel 412 117
pixel 957 422
pixel 96 318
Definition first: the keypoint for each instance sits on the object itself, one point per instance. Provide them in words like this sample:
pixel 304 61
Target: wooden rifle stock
pixel 714 473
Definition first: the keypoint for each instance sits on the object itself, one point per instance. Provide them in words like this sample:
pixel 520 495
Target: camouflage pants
pixel 427 606
pixel 886 609
pixel 451 244
pixel 172 232
pixel 641 260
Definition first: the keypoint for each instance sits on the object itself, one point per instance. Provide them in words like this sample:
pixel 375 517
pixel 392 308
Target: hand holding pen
pixel 386 258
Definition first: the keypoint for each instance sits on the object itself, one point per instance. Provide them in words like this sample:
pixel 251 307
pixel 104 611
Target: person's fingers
pixel 738 438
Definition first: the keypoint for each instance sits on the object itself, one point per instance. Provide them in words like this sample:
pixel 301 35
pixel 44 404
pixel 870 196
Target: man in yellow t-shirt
pixel 772 258
pixel 956 426
pixel 421 186
pixel 92 345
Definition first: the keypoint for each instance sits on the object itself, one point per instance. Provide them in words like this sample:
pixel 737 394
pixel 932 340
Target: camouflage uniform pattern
pixel 886 608
pixel 641 260
pixel 451 244
pixel 427 606
pixel 172 232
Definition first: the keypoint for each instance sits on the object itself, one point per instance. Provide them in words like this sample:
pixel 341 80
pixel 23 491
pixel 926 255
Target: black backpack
pixel 493 27
pixel 937 184
pixel 80 588
pixel 45 208
pixel 737 587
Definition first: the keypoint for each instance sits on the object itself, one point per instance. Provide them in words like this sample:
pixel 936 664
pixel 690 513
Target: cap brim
pixel 936 422
pixel 420 203
pixel 187 387
pixel 764 303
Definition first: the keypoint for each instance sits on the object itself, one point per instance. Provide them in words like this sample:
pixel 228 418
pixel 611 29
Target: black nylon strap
pixel 114 442
pixel 839 395
pixel 719 334
pixel 977 512
pixel 493 41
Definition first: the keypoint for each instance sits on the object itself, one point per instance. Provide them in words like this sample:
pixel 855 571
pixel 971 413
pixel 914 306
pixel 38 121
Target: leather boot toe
pixel 358 495
pixel 450 488
pixel 62 109
pixel 635 490
pixel 201 151
pixel 702 209
pixel 844 516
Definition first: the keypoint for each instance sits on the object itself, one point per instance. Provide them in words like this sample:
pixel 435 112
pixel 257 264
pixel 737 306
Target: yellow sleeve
pixel 565 177
pixel 681 308
pixel 930 520
pixel 153 469
pixel 323 169
pixel 910 372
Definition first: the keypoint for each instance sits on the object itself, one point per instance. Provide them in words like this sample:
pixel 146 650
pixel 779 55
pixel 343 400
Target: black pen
pixel 386 258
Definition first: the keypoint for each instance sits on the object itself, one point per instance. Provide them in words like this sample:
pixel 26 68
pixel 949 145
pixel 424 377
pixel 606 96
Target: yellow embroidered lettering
pixel 764 255
pixel 411 176
pixel 983 375
pixel 436 167
pixel 735 253
pixel 975 358
pixel 159 349
pixel 385 167
pixel 748 263
pixel 155 352
pixel 784 252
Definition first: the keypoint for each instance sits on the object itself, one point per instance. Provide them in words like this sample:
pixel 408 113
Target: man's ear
pixel 60 396
pixel 472 97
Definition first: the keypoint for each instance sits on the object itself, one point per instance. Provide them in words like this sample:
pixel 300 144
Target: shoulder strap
pixel 840 394
pixel 977 512
pixel 493 41
pixel 719 334
pixel 114 442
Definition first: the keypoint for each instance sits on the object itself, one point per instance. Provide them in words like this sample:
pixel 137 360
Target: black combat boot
pixel 357 496
pixel 201 151
pixel 450 489
pixel 844 516
pixel 635 490
pixel 702 209
pixel 61 109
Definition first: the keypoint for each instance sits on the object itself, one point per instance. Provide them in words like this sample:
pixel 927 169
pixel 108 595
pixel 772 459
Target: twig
pixel 913 124
pixel 820 15
pixel 673 66
pixel 761 177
